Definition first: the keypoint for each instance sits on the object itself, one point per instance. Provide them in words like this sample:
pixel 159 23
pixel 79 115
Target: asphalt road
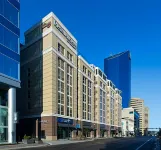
pixel 139 143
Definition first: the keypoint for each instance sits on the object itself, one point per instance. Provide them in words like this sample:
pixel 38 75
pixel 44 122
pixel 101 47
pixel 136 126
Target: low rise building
pixel 130 114
pixel 127 127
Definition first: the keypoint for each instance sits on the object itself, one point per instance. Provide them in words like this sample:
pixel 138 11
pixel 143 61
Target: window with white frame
pixel 69 56
pixel 89 99
pixel 89 74
pixel 60 86
pixel 69 90
pixel 84 98
pixel 102 106
pixel 60 49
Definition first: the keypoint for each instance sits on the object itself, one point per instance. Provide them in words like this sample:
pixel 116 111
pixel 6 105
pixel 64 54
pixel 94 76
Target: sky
pixel 105 27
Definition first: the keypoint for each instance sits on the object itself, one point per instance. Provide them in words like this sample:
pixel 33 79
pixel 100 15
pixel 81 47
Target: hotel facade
pixel 61 95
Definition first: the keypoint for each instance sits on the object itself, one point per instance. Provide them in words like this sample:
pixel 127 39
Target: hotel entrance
pixel 64 133
pixel 65 128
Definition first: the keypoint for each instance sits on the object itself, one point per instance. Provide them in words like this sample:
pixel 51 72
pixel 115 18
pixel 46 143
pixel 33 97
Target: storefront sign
pixel 112 128
pixel 64 120
pixel 77 126
pixel 46 25
pixel 65 34
pixel 43 121
pixel 102 126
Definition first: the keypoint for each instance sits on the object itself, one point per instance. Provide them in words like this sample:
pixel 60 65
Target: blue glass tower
pixel 9 67
pixel 118 70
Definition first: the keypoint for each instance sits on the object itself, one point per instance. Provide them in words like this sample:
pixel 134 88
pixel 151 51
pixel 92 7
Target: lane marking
pixel 144 144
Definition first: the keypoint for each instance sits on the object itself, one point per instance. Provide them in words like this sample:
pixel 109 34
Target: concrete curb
pixel 13 148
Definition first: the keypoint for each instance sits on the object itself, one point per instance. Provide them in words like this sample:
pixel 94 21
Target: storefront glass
pixel 3 116
pixel 62 133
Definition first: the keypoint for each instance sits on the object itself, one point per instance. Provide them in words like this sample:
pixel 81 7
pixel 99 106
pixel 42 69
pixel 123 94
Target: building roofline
pixel 80 57
pixel 117 55
pixel 51 14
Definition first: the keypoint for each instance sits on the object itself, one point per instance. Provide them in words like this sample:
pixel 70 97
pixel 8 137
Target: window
pixel 61 86
pixel 100 72
pixel 104 86
pixel 29 83
pixel 100 84
pixel 84 69
pixel 104 77
pixel 28 71
pixel 89 74
pixel 69 56
pixel 69 90
pixel 60 49
pixel 10 12
pixel 89 99
pixel 5 35
pixel 84 97
pixel 29 95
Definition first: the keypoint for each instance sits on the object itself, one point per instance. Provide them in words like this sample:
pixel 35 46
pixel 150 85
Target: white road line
pixel 143 144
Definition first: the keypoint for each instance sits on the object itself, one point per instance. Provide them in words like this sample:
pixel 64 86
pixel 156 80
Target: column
pixel 73 134
pixel 11 111
pixel 92 134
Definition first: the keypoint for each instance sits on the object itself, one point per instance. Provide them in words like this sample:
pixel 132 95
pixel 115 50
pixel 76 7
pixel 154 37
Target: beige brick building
pixel 48 97
pixel 63 96
pixel 86 97
pixel 114 108
pixel 108 105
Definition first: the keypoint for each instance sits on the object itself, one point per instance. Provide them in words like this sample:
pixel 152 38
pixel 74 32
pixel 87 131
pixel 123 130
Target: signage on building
pixel 77 126
pixel 65 34
pixel 46 25
pixel 102 126
pixel 64 120
pixel 43 121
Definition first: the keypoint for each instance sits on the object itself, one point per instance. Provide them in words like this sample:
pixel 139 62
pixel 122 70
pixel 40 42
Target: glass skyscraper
pixel 9 68
pixel 118 70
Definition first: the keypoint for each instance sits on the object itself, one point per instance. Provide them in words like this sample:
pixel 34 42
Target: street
pixel 139 143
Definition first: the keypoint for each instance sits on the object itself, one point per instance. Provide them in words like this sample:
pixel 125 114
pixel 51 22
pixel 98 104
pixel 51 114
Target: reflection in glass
pixel 3 134
pixel 3 98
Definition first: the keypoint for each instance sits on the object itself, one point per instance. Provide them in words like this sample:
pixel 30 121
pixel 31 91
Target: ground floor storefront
pixel 54 128
pixel 8 115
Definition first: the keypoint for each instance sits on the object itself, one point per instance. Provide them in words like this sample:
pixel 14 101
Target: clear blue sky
pixel 104 27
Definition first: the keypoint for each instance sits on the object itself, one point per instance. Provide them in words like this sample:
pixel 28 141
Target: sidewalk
pixel 46 143
pixel 20 146
pixel 60 142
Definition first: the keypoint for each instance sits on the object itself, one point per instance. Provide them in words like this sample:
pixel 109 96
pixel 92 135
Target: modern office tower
pixel 118 70
pixel 138 105
pixel 86 98
pixel 48 97
pixel 114 108
pixel 9 68
pixel 133 115
pixel 146 119
pixel 100 103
